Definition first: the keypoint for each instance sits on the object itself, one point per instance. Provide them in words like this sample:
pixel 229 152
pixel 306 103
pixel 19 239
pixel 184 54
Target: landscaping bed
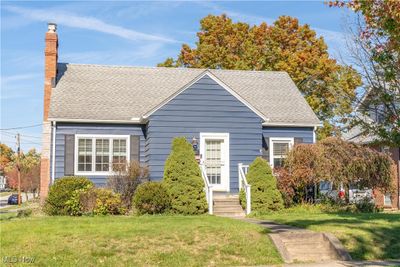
pixel 128 240
pixel 367 236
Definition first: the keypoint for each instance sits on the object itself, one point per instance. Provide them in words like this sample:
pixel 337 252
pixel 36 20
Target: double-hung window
pixel 279 148
pixel 100 154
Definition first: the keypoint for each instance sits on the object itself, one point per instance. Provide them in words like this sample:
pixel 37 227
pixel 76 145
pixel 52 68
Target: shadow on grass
pixel 364 237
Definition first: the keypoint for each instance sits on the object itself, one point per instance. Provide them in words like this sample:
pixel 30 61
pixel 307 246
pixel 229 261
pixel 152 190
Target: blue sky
pixel 119 33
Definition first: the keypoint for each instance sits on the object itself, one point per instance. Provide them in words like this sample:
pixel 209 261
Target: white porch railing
pixel 242 170
pixel 208 188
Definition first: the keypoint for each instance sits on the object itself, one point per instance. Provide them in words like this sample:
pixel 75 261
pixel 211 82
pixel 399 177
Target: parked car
pixel 355 193
pixel 13 199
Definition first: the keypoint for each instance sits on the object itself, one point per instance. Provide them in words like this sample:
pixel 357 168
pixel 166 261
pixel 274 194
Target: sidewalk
pixel 277 228
pixel 346 264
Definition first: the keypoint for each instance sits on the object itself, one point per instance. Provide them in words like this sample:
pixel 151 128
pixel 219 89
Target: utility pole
pixel 18 168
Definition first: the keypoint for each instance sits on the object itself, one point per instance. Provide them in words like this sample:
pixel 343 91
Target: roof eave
pixel 292 124
pixel 131 121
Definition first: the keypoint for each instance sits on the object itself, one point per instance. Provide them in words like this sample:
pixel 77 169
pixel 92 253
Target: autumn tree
pixel 284 46
pixel 30 171
pixel 6 155
pixel 335 161
pixel 375 50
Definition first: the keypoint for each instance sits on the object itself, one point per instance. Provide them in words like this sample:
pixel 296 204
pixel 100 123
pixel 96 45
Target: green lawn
pixel 127 241
pixel 367 236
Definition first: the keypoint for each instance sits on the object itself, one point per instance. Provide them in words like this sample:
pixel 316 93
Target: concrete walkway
pixel 277 228
pixel 346 264
pixel 301 245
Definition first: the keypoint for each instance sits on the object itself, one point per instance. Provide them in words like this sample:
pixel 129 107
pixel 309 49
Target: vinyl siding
pixel 296 132
pixel 109 129
pixel 204 107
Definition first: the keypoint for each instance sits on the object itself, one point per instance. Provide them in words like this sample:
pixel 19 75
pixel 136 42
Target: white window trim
pixel 225 186
pixel 290 140
pixel 93 137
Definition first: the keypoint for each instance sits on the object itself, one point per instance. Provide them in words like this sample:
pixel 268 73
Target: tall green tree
pixel 284 46
pixel 375 50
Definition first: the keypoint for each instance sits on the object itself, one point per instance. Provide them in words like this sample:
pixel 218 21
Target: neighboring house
pixel 3 182
pixel 357 135
pixel 95 115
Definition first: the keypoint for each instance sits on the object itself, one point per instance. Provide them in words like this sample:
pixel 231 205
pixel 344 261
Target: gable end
pixel 206 74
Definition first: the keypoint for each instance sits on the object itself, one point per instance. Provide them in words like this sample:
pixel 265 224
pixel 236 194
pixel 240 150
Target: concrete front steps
pixel 307 246
pixel 227 205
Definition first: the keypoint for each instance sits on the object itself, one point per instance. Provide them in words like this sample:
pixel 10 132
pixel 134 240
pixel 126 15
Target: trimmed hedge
pixel 151 198
pixel 264 193
pixel 182 178
pixel 62 191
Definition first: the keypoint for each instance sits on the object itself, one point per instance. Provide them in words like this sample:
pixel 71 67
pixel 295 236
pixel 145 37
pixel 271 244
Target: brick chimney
pixel 50 65
pixel 50 73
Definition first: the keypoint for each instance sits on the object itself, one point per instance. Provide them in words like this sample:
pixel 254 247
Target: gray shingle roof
pixel 357 135
pixel 117 93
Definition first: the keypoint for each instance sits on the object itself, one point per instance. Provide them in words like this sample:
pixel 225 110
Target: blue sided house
pixel 97 115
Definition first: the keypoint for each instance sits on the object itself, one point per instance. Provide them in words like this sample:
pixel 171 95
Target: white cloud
pixel 18 77
pixel 249 18
pixel 119 57
pixel 84 22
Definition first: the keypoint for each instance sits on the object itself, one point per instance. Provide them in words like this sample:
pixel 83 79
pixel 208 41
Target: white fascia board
pixel 218 81
pixel 292 124
pixel 132 121
pixel 237 96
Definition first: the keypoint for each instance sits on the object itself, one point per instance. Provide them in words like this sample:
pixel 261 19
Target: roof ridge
pixel 126 66
pixel 247 71
pixel 175 68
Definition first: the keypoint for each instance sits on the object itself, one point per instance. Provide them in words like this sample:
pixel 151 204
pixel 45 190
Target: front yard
pixel 127 241
pixel 367 236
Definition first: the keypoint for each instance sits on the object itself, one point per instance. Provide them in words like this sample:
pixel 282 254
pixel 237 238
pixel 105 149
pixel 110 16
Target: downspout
pixel 314 135
pixel 53 152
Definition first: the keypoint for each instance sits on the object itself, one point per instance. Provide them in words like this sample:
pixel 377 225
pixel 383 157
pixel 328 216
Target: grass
pixel 367 236
pixel 7 215
pixel 132 241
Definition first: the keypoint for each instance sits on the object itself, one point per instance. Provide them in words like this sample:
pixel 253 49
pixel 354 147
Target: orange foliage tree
pixel 30 172
pixel 286 45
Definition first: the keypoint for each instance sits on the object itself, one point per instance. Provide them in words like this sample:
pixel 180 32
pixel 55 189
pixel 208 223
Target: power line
pixel 25 135
pixel 28 138
pixel 22 127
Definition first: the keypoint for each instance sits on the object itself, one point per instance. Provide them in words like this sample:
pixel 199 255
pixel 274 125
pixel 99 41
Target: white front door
pixel 214 150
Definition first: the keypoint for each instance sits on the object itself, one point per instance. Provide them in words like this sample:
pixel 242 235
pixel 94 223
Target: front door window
pixel 213 160
pixel 214 152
